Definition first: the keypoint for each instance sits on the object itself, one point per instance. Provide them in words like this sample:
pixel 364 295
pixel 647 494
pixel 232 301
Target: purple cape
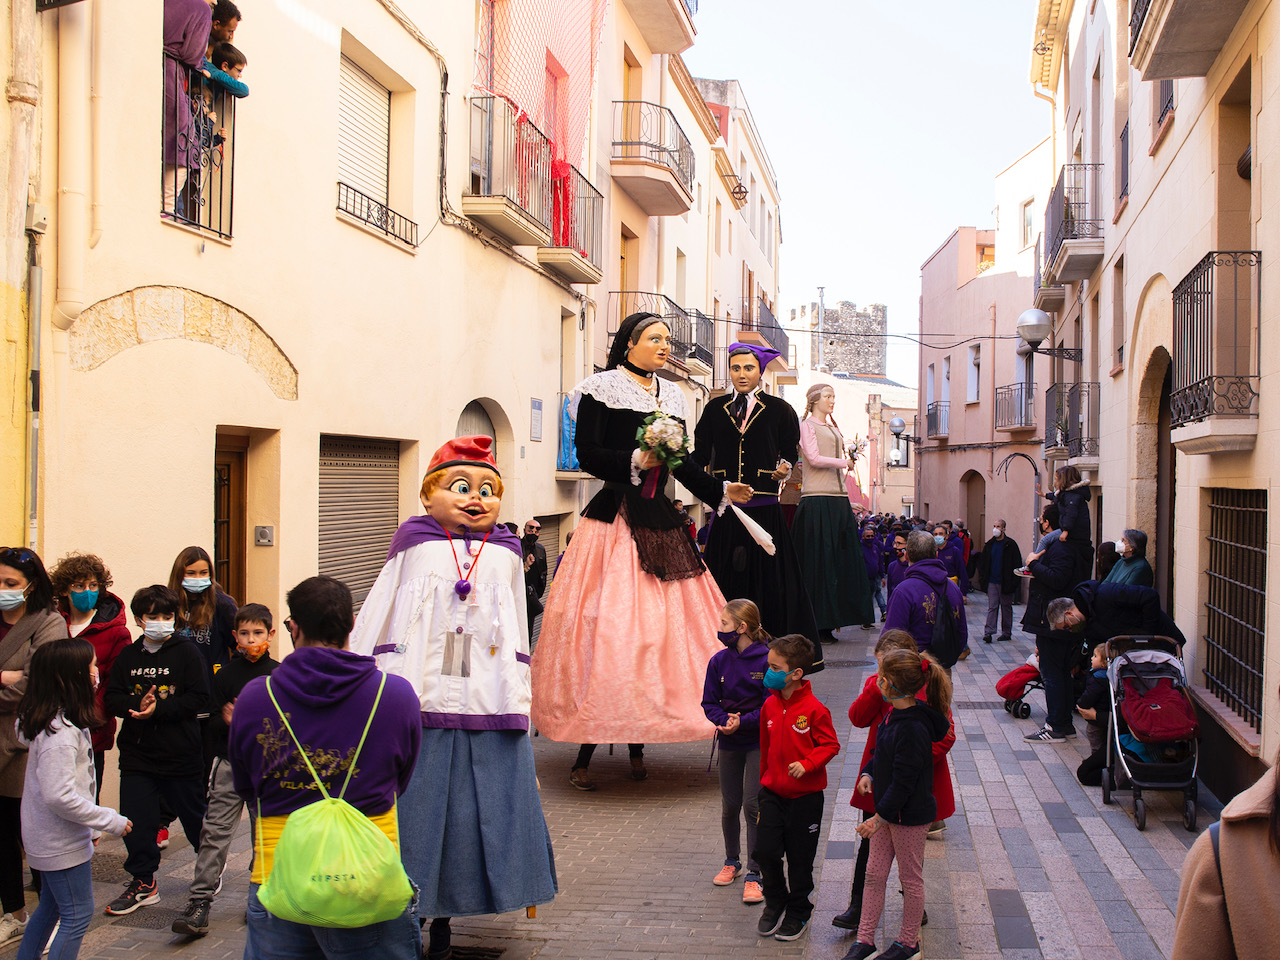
pixel 423 529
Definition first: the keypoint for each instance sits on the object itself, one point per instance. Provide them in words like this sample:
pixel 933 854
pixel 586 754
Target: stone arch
pixel 502 432
pixel 146 314
pixel 973 502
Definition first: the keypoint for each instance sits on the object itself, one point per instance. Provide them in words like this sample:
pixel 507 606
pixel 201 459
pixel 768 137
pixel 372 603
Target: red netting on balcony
pixel 541 56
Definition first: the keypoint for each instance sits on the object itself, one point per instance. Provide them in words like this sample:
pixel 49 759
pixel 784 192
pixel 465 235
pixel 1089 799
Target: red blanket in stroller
pixel 1014 683
pixel 1155 704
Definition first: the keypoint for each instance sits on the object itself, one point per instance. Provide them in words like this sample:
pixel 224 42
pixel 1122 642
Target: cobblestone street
pixel 1032 864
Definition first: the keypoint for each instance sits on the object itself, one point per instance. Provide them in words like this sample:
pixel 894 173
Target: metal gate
pixel 359 508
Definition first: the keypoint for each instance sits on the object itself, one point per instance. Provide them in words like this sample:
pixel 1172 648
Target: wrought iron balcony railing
pixel 577 212
pixel 757 316
pixel 1035 290
pixel 1136 19
pixel 1215 337
pixel 649 131
pixel 198 140
pixel 1074 211
pixel 1015 406
pixel 704 337
pixel 623 303
pixel 1056 427
pixel 1122 165
pixel 1082 417
pixel 1165 100
pixel 937 418
pixel 510 157
pixel 376 214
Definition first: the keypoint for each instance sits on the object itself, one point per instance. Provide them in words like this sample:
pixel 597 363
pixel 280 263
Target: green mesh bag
pixel 333 866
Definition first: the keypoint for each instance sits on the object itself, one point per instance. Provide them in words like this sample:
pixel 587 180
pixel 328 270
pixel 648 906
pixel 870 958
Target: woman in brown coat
pixel 1242 923
pixel 28 618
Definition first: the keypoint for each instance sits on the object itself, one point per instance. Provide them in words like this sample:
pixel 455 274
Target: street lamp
pixel 896 426
pixel 1034 326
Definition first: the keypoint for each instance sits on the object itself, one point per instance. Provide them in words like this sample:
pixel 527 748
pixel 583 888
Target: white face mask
pixel 996 532
pixel 1121 547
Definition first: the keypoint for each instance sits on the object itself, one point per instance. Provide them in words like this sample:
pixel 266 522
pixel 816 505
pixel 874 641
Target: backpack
pixel 945 643
pixel 333 867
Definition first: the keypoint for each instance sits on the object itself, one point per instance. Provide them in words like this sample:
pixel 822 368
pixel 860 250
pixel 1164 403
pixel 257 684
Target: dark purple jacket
pixel 951 554
pixel 914 601
pixel 735 684
pixel 873 556
pixel 327 695
pixel 894 574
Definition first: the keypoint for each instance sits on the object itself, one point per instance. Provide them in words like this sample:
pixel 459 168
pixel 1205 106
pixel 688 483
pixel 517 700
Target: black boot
pixel 850 918
pixel 438 940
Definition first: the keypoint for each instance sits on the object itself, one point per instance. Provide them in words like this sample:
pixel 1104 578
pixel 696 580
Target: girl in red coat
pixel 867 711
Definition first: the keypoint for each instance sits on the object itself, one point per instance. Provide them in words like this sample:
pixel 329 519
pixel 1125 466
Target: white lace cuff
pixel 725 502
pixel 635 467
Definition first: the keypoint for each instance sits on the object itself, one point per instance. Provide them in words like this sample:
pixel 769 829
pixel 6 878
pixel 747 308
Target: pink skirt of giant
pixel 622 655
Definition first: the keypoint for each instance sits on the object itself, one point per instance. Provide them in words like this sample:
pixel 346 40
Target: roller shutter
pixel 359 508
pixel 549 537
pixel 364 131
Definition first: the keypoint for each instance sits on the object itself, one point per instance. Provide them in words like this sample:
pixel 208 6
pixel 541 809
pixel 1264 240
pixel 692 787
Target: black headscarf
pixel 627 333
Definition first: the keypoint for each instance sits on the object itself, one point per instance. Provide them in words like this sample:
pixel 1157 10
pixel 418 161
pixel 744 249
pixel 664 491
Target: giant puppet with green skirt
pixel 447 613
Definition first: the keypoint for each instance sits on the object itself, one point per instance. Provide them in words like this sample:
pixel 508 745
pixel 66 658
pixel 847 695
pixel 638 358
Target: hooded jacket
pixel 894 573
pixel 872 556
pixel 166 744
pixel 735 684
pixel 951 553
pixel 1073 510
pixel 867 711
pixel 914 603
pixel 1245 886
pixel 901 765
pixel 108 631
pixel 327 695
pixel 1116 609
pixel 798 729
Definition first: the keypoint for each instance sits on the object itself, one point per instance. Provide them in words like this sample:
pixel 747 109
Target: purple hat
pixel 763 354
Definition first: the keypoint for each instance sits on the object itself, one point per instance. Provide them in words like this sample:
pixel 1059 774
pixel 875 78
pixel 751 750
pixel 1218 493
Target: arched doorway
pixel 484 417
pixel 1155 473
pixel 974 498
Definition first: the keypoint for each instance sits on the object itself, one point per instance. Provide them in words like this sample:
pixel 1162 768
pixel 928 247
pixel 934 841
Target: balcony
pixel 1122 167
pixel 198 140
pixel 1215 354
pixel 702 350
pixel 652 157
pixel 684 332
pixel 1180 38
pixel 1073 224
pixel 666 25
pixel 1047 296
pixel 936 420
pixel 760 326
pixel 1056 429
pixel 1071 424
pixel 1016 407
pixel 510 187
pixel 375 214
pixel 577 222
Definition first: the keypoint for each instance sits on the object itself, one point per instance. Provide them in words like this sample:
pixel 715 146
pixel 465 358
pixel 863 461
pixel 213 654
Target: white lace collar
pixel 615 389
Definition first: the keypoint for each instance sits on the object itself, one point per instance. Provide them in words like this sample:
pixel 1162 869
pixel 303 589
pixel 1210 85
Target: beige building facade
pixel 1153 259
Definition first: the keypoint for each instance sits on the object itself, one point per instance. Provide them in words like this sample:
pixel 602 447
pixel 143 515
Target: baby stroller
pixel 1152 730
pixel 1016 684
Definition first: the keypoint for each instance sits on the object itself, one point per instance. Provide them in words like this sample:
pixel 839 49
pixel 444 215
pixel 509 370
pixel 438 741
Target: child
pixel 797 741
pixel 1094 706
pixel 1071 494
pixel 866 712
pixel 157 685
pixel 731 699
pixel 899 777
pixel 60 821
pixel 224 67
pixel 254 632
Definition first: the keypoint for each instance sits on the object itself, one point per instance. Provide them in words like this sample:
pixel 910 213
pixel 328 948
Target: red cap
pixel 465 451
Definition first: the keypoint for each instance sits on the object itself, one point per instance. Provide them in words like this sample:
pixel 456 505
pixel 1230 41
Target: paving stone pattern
pixel 1031 866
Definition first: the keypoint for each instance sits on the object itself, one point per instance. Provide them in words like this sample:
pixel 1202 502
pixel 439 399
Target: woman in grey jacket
pixel 60 821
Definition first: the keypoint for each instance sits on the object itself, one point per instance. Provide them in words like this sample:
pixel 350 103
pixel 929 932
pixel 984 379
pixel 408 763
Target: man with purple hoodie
pixel 328 693
pixel 914 603
pixel 873 557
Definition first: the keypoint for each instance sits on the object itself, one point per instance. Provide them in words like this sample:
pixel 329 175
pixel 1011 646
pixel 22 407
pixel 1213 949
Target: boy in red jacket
pixel 797 741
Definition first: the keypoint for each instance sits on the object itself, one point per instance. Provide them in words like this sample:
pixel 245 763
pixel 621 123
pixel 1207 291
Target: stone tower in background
pixel 853 340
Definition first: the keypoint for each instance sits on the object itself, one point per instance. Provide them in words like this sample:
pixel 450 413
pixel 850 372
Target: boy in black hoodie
pixel 254 633
pixel 157 686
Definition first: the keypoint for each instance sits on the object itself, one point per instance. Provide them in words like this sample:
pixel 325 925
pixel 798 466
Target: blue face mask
pixel 157 629
pixel 196 584
pixel 728 637
pixel 12 599
pixel 939 540
pixel 85 600
pixel 775 679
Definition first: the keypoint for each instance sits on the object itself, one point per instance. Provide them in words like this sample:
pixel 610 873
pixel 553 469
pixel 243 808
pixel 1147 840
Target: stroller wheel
pixel 1189 815
pixel 1140 813
pixel 1008 706
pixel 1024 710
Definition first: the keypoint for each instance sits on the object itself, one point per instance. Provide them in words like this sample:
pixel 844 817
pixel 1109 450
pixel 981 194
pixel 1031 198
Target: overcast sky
pixel 886 124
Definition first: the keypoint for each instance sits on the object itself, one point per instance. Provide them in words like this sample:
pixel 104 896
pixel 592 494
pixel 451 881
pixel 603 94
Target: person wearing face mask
pixel 535 572
pixel 158 687
pixel 93 613
pixel 997 564
pixel 731 698
pixel 1100 611
pixel 254 633
pixel 28 619
pixel 1132 566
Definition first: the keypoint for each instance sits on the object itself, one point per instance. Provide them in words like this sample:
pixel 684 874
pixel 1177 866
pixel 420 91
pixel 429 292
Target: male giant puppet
pixel 447 613
pixel 752 437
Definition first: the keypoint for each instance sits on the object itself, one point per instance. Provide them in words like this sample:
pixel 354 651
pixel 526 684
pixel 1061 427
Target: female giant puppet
pixel 447 613
pixel 632 616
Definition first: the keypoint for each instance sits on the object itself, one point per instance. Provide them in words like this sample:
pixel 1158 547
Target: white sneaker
pixel 11 929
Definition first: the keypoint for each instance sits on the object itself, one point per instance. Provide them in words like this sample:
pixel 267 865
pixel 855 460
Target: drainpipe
pixel 34 281
pixel 1053 128
pixel 664 62
pixel 95 124
pixel 73 173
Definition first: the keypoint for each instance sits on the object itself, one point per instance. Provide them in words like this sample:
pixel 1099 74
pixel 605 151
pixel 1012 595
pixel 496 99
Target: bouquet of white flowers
pixel 664 437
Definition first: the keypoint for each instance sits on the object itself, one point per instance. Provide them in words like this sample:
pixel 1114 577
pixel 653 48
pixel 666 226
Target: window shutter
pixel 359 509
pixel 364 131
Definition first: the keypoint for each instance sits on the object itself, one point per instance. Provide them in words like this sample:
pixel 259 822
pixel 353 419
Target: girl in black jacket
pixel 899 775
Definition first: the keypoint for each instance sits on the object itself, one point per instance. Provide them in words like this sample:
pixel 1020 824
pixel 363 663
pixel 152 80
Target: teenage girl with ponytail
pixel 825 530
pixel 899 776
pixel 731 698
